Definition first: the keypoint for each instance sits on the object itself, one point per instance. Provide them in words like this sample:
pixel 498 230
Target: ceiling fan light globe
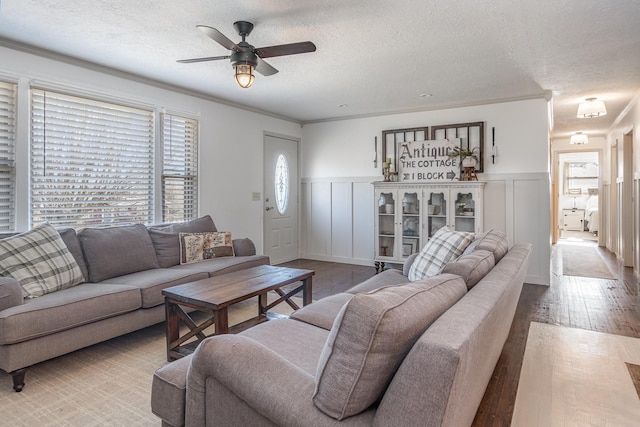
pixel 244 75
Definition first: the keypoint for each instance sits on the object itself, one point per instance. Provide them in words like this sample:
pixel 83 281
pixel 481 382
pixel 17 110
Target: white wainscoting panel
pixel 337 221
pixel 341 220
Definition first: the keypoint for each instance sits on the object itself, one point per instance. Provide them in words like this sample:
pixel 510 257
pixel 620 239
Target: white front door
pixel 280 199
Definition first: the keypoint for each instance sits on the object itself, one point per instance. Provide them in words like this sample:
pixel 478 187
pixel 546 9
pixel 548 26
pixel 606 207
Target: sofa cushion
pixel 40 261
pixel 385 278
pixel 165 238
pixel 322 313
pixel 66 309
pixel 297 342
pixel 152 282
pixel 471 267
pixel 195 247
pixel 371 336
pixel 114 251
pixel 218 266
pixel 444 246
pixel 70 239
pixel 493 241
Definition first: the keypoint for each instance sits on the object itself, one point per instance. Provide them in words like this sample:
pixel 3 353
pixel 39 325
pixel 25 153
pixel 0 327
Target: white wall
pixel 336 154
pixel 345 147
pixel 231 139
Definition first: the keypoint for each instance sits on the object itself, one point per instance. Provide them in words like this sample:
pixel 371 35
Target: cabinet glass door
pixel 465 211
pixel 437 201
pixel 386 224
pixel 410 222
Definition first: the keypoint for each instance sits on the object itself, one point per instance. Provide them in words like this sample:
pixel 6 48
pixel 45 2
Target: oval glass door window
pixel 282 184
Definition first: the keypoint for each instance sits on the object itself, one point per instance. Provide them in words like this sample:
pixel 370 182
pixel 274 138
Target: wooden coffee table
pixel 215 294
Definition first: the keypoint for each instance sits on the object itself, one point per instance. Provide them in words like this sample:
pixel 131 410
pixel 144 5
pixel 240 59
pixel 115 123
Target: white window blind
pixel 179 168
pixel 91 162
pixel 7 159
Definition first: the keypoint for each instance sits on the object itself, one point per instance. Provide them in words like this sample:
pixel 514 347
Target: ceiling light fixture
pixel 591 108
pixel 579 138
pixel 244 75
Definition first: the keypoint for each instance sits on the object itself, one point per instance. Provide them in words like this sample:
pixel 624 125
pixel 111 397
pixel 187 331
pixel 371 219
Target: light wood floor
pixel 610 306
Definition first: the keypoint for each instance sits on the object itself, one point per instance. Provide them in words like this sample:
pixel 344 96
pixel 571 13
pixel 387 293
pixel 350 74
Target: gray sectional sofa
pixel 125 269
pixel 388 352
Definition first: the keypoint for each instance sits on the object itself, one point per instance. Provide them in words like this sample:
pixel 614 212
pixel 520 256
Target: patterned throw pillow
pixel 40 261
pixel 196 247
pixel 443 247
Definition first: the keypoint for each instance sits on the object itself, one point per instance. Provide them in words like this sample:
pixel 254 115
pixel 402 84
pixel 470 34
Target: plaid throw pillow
pixel 40 261
pixel 443 247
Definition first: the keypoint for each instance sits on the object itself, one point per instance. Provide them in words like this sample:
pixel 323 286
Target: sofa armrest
pixel 408 263
pixel 243 247
pixel 268 386
pixel 10 293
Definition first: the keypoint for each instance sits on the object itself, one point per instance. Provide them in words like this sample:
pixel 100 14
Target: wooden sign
pixel 428 161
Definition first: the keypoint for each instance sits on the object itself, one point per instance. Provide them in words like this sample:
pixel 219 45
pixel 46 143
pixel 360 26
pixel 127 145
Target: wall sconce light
pixel 579 138
pixel 244 75
pixel 591 108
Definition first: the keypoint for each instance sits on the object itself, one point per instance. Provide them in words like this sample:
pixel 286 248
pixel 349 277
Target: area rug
pixel 574 377
pixel 584 261
pixel 108 384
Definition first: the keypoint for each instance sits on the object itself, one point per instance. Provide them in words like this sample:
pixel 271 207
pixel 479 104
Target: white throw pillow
pixel 443 247
pixel 40 261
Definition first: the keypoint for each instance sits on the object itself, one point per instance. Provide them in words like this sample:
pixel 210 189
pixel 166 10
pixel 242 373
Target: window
pixel 282 184
pixel 91 162
pixel 580 178
pixel 7 160
pixel 179 168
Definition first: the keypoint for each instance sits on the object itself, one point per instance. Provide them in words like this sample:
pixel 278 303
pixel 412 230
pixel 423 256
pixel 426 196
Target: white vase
pixel 469 162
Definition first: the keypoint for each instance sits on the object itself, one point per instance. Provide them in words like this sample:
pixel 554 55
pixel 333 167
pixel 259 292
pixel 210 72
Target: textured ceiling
pixel 374 56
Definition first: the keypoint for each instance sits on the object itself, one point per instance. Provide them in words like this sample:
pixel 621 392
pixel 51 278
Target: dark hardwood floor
pixel 610 306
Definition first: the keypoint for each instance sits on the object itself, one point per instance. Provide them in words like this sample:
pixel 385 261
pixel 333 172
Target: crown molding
pixel 77 62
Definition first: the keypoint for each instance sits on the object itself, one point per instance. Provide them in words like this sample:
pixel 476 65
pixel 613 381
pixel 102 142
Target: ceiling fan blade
pixel 210 58
pixel 285 49
pixel 264 68
pixel 218 37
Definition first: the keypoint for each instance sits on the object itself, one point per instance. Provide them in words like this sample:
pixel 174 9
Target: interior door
pixel 281 184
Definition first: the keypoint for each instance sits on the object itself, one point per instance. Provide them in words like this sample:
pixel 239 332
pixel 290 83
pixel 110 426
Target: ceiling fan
pixel 244 57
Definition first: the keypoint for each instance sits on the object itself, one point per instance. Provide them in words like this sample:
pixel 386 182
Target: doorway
pixel 281 183
pixel 578 195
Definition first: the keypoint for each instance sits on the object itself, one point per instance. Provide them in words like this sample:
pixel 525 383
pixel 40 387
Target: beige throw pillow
pixel 370 338
pixel 471 267
pixel 494 241
pixel 196 247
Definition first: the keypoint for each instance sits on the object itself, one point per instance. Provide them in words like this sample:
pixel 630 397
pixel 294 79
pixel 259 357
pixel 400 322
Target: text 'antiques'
pixel 420 161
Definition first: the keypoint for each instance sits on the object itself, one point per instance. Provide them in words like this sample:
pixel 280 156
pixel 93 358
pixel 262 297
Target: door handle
pixel 268 208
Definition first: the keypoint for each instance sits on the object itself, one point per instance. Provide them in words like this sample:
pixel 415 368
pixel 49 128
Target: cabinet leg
pixel 379 266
